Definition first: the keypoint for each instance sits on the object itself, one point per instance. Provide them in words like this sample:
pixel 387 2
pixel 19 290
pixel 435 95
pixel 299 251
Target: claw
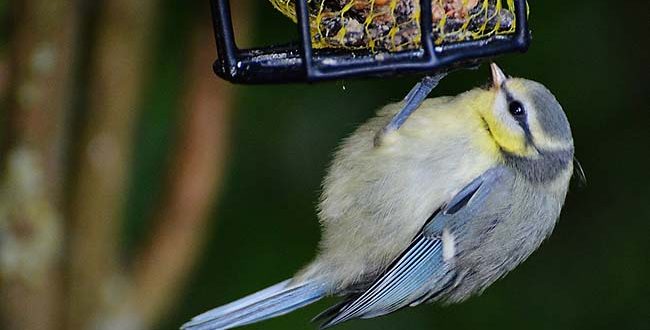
pixel 412 102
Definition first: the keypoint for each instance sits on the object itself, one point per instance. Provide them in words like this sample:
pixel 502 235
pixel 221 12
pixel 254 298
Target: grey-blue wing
pixel 421 270
pixel 395 287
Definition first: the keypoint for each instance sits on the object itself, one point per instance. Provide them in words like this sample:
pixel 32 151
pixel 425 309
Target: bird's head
pixel 524 118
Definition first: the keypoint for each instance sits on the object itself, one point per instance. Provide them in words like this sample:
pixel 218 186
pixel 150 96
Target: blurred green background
pixel 593 273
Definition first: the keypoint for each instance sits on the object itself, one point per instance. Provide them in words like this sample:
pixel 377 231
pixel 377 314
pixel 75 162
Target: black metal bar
pixel 522 33
pixel 301 63
pixel 227 52
pixel 304 29
pixel 426 27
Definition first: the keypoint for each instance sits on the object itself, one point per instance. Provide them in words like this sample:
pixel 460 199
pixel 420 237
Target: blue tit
pixel 432 200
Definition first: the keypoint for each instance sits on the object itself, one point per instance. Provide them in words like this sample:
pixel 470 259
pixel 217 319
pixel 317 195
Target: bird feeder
pixel 373 38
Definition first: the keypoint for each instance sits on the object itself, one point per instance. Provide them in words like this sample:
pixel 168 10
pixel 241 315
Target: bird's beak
pixel 498 77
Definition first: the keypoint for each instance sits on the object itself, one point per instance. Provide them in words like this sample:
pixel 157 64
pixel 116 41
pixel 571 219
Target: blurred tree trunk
pixel 60 267
pixel 196 170
pixel 165 262
pixel 119 62
pixel 32 161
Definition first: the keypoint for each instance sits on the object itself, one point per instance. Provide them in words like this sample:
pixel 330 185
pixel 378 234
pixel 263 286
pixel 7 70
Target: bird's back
pixel 506 231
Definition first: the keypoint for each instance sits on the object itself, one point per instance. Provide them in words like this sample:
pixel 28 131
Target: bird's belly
pixel 391 200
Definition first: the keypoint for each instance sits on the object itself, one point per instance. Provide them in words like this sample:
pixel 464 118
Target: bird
pixel 432 200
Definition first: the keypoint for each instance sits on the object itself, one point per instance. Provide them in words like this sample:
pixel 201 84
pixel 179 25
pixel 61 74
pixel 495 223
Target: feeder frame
pixel 300 62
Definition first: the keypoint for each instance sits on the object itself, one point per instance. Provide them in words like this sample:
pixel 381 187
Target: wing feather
pixel 420 271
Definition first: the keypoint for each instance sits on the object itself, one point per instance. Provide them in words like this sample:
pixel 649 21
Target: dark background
pixel 594 271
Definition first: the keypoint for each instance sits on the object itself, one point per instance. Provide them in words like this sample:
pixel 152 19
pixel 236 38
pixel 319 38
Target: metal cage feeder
pixel 300 62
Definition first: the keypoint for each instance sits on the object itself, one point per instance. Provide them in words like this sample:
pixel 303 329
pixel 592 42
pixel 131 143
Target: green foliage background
pixel 593 273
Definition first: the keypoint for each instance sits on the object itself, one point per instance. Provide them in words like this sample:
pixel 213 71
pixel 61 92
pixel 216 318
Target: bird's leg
pixel 412 101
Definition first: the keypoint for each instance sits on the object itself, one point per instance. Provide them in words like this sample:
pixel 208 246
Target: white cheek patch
pixel 448 245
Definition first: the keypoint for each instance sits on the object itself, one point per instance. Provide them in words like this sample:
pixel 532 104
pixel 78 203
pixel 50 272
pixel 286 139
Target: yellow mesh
pixel 395 24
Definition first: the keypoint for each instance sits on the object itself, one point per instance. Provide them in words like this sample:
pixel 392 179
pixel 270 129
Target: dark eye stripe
pixel 522 118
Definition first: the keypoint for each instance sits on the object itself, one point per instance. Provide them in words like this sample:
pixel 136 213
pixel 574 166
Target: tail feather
pixel 273 301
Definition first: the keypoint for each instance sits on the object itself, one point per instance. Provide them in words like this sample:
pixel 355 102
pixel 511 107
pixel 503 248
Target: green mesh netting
pixel 394 24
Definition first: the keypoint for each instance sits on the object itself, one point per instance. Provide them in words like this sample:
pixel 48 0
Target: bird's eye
pixel 516 109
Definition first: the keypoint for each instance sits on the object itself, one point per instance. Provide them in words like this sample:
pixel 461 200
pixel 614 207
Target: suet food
pixel 393 25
